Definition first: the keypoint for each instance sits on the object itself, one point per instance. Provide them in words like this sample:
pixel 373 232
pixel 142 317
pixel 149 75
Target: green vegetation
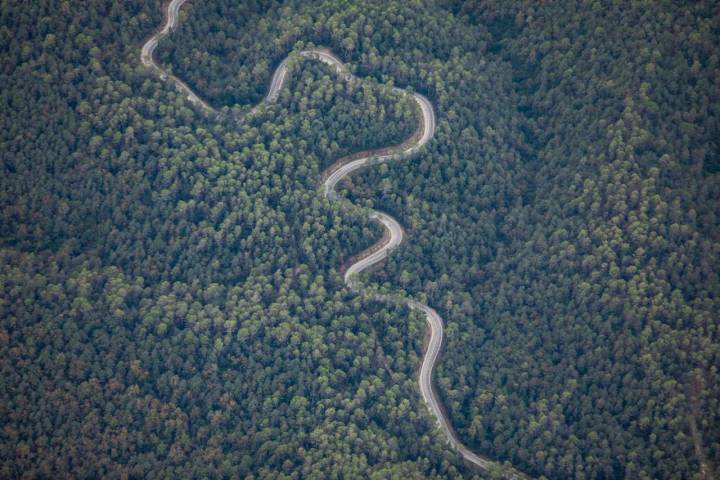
pixel 170 295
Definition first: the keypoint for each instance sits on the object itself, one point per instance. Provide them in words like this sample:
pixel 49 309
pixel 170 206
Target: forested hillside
pixel 171 299
pixel 591 320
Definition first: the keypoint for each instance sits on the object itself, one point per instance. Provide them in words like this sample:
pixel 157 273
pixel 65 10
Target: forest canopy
pixel 171 297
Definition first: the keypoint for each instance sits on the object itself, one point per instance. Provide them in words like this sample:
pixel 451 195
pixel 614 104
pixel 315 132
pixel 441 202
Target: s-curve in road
pixel 148 49
pixel 393 231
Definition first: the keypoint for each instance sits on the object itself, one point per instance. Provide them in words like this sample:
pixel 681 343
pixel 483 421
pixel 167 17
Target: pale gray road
pixel 394 230
pixel 366 261
pixel 146 55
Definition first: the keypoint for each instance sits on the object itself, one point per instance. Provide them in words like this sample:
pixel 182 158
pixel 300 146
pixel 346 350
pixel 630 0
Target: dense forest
pixel 171 297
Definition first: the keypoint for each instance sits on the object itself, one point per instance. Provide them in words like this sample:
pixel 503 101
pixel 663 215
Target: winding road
pixel 391 240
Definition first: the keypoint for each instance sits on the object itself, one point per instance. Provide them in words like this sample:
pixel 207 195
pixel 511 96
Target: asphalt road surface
pixel 392 239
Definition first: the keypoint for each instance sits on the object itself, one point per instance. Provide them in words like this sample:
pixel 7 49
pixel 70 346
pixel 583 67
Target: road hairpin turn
pixel 394 231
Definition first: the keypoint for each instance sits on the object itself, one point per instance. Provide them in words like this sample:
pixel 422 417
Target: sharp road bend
pixel 394 232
